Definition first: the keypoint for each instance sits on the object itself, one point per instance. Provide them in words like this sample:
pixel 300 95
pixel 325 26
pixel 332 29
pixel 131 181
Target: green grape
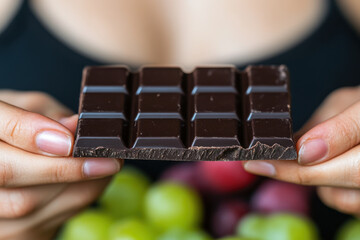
pixel 350 230
pixel 237 238
pixel 181 234
pixel 88 225
pixel 131 229
pixel 284 226
pixel 124 197
pixel 171 205
pixel 252 226
pixel 281 226
pixel 197 235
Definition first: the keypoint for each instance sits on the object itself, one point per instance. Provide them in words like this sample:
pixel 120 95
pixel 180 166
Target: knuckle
pixel 302 178
pixel 6 174
pixel 16 204
pixel 13 128
pixel 60 173
pixel 66 172
pixel 349 129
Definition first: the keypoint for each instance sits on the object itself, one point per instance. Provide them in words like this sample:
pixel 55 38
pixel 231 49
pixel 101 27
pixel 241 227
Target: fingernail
pixel 260 168
pixel 312 151
pixel 100 167
pixel 54 143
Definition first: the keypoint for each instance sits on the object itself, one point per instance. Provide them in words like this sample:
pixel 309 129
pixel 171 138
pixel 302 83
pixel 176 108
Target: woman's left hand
pixel 329 153
pixel 34 205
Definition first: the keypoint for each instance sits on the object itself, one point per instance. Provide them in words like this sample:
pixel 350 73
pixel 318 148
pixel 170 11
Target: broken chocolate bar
pixel 162 113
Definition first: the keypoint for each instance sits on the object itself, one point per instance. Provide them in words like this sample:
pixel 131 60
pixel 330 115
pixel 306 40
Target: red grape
pixel 225 177
pixel 276 196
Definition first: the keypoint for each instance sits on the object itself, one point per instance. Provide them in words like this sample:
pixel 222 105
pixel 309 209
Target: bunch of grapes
pixel 199 201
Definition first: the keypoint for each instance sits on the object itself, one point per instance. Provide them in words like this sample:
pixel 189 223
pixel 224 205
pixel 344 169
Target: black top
pixel 33 59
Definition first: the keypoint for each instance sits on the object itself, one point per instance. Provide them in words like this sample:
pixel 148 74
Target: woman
pixel 45 44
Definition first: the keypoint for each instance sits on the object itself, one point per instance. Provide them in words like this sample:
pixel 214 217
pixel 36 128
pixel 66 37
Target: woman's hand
pixel 40 185
pixel 329 153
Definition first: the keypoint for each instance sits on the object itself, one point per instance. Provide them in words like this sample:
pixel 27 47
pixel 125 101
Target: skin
pixel 337 173
pixel 184 33
pixel 38 192
pixel 33 205
pixel 351 9
pixel 336 122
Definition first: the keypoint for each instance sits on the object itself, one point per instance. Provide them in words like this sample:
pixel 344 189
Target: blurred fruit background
pixel 206 201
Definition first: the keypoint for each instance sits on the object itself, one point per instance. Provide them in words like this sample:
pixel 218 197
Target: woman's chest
pixel 180 32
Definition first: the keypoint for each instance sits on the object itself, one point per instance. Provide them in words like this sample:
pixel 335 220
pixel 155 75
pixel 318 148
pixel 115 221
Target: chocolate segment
pixel 267 106
pixel 270 131
pixel 162 113
pixel 157 112
pixel 214 132
pixel 212 117
pixel 98 105
pixel 108 132
pixel 102 111
pixel 155 133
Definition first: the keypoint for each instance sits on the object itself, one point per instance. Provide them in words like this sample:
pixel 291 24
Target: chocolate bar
pixel 163 113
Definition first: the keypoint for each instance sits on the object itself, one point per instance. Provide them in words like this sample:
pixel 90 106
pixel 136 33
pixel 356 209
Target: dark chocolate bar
pixel 162 113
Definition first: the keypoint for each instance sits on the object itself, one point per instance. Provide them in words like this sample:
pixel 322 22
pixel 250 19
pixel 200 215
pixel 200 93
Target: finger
pixel 70 122
pixel 341 171
pixel 330 138
pixel 37 102
pixel 342 199
pixel 54 109
pixel 336 103
pixel 33 132
pixel 73 198
pixel 19 202
pixel 21 168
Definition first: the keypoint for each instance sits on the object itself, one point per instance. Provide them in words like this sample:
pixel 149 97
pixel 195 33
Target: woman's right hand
pixel 40 185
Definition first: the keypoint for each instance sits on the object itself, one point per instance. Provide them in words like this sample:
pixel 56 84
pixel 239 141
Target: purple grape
pixel 275 196
pixel 226 217
pixel 184 173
